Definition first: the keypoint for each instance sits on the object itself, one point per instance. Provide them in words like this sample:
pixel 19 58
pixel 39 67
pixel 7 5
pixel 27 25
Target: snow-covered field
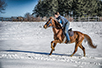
pixel 27 45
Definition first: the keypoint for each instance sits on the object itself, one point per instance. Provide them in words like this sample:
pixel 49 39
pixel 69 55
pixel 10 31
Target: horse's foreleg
pixel 53 49
pixel 55 41
pixel 51 52
pixel 59 35
pixel 53 46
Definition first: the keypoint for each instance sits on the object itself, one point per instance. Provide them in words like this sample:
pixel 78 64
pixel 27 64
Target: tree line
pixel 76 8
pixel 27 17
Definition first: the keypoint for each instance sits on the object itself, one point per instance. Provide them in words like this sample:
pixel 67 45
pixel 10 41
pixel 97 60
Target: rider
pixel 65 25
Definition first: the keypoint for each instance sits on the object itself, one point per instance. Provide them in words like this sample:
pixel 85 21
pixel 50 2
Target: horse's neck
pixel 58 34
pixel 57 31
pixel 56 24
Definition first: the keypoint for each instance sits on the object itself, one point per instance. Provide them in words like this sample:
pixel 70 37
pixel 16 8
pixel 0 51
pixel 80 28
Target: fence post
pixel 98 19
pixel 75 19
pixel 88 19
pixel 79 19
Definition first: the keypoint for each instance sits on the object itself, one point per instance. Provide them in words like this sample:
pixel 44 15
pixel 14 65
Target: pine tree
pixel 68 7
pixel 86 8
pixel 2 6
pixel 46 8
pixel 37 8
pixel 53 7
pixel 99 10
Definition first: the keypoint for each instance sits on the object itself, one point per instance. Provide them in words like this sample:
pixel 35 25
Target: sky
pixel 18 7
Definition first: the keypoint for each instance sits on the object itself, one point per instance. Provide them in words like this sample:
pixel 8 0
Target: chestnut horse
pixel 59 36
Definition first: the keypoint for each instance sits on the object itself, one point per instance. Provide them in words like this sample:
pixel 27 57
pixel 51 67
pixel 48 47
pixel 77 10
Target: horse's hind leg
pixel 53 49
pixel 79 44
pixel 76 48
pixel 82 49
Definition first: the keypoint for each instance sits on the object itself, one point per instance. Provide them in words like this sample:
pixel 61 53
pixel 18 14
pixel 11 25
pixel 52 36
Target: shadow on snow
pixel 42 53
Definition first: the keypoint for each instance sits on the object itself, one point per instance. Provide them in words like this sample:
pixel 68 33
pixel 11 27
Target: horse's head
pixel 52 22
pixel 48 23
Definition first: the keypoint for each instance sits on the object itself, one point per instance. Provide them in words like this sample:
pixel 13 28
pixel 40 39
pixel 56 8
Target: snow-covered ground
pixel 27 45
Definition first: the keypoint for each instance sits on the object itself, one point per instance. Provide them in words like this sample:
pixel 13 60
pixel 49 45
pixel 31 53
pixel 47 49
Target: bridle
pixel 49 23
pixel 52 26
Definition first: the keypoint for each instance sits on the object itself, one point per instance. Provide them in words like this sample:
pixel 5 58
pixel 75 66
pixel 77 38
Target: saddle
pixel 71 33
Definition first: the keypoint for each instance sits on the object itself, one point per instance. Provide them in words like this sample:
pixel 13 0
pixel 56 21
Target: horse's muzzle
pixel 45 26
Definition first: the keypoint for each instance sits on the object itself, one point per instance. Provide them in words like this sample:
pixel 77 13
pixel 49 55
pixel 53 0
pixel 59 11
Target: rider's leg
pixel 66 32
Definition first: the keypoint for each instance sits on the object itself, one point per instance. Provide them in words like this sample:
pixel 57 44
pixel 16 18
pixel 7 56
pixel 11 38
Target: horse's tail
pixel 89 41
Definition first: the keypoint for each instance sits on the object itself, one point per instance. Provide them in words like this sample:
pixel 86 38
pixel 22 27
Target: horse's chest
pixel 55 37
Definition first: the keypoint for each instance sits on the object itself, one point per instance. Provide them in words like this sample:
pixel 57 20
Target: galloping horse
pixel 59 36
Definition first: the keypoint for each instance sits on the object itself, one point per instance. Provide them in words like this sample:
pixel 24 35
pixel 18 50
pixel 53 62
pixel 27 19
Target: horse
pixel 59 36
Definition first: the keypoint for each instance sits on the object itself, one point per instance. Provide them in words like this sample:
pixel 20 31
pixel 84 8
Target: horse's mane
pixel 57 24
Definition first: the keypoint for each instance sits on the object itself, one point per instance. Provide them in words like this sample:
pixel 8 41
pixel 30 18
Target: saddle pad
pixel 71 33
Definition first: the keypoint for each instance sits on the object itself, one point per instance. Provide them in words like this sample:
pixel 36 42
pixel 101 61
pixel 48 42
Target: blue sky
pixel 18 7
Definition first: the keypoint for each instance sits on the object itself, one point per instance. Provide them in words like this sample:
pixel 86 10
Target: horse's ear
pixel 51 17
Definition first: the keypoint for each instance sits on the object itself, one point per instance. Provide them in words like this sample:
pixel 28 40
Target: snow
pixel 27 45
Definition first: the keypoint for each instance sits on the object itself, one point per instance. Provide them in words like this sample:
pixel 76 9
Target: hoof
pixel 84 55
pixel 71 55
pixel 49 54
